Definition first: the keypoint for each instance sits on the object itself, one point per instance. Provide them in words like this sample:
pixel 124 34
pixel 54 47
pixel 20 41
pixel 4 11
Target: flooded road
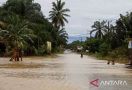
pixel 65 72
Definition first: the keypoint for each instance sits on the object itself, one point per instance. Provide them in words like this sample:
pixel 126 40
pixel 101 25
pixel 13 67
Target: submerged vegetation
pixel 23 25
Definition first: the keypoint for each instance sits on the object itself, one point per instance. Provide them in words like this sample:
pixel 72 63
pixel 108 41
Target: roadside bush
pixel 104 49
pixel 93 45
pixel 119 52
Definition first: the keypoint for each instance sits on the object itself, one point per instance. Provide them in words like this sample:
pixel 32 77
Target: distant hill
pixel 75 38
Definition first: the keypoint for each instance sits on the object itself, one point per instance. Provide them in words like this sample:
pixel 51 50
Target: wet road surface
pixel 66 72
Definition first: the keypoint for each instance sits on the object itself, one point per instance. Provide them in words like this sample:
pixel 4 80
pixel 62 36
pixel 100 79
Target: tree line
pixel 109 38
pixel 23 25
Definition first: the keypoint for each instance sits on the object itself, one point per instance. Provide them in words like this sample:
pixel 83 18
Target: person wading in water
pixel 17 53
pixel 81 54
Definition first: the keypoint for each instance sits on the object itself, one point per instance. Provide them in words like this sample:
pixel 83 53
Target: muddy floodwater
pixel 65 72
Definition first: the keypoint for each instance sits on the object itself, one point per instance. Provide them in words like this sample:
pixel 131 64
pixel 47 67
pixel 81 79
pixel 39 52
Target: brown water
pixel 66 72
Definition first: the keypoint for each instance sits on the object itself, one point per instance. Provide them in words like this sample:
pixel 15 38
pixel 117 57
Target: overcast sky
pixel 85 12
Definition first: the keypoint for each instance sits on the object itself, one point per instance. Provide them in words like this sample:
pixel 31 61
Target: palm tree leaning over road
pixel 58 14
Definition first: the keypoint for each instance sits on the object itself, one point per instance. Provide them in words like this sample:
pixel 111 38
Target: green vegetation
pixel 58 14
pixel 109 40
pixel 23 25
pixel 74 45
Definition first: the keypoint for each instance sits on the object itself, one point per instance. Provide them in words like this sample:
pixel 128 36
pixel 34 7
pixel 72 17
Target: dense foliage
pixel 22 24
pixel 109 38
pixel 112 36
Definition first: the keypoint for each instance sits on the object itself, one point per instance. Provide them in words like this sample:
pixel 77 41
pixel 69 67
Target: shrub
pixel 119 52
pixel 104 49
pixel 93 45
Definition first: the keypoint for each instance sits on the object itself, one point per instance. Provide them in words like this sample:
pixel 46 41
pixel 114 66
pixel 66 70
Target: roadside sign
pixel 130 44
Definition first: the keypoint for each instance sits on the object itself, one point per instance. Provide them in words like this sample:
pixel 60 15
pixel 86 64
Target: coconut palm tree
pixel 99 29
pixel 58 14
